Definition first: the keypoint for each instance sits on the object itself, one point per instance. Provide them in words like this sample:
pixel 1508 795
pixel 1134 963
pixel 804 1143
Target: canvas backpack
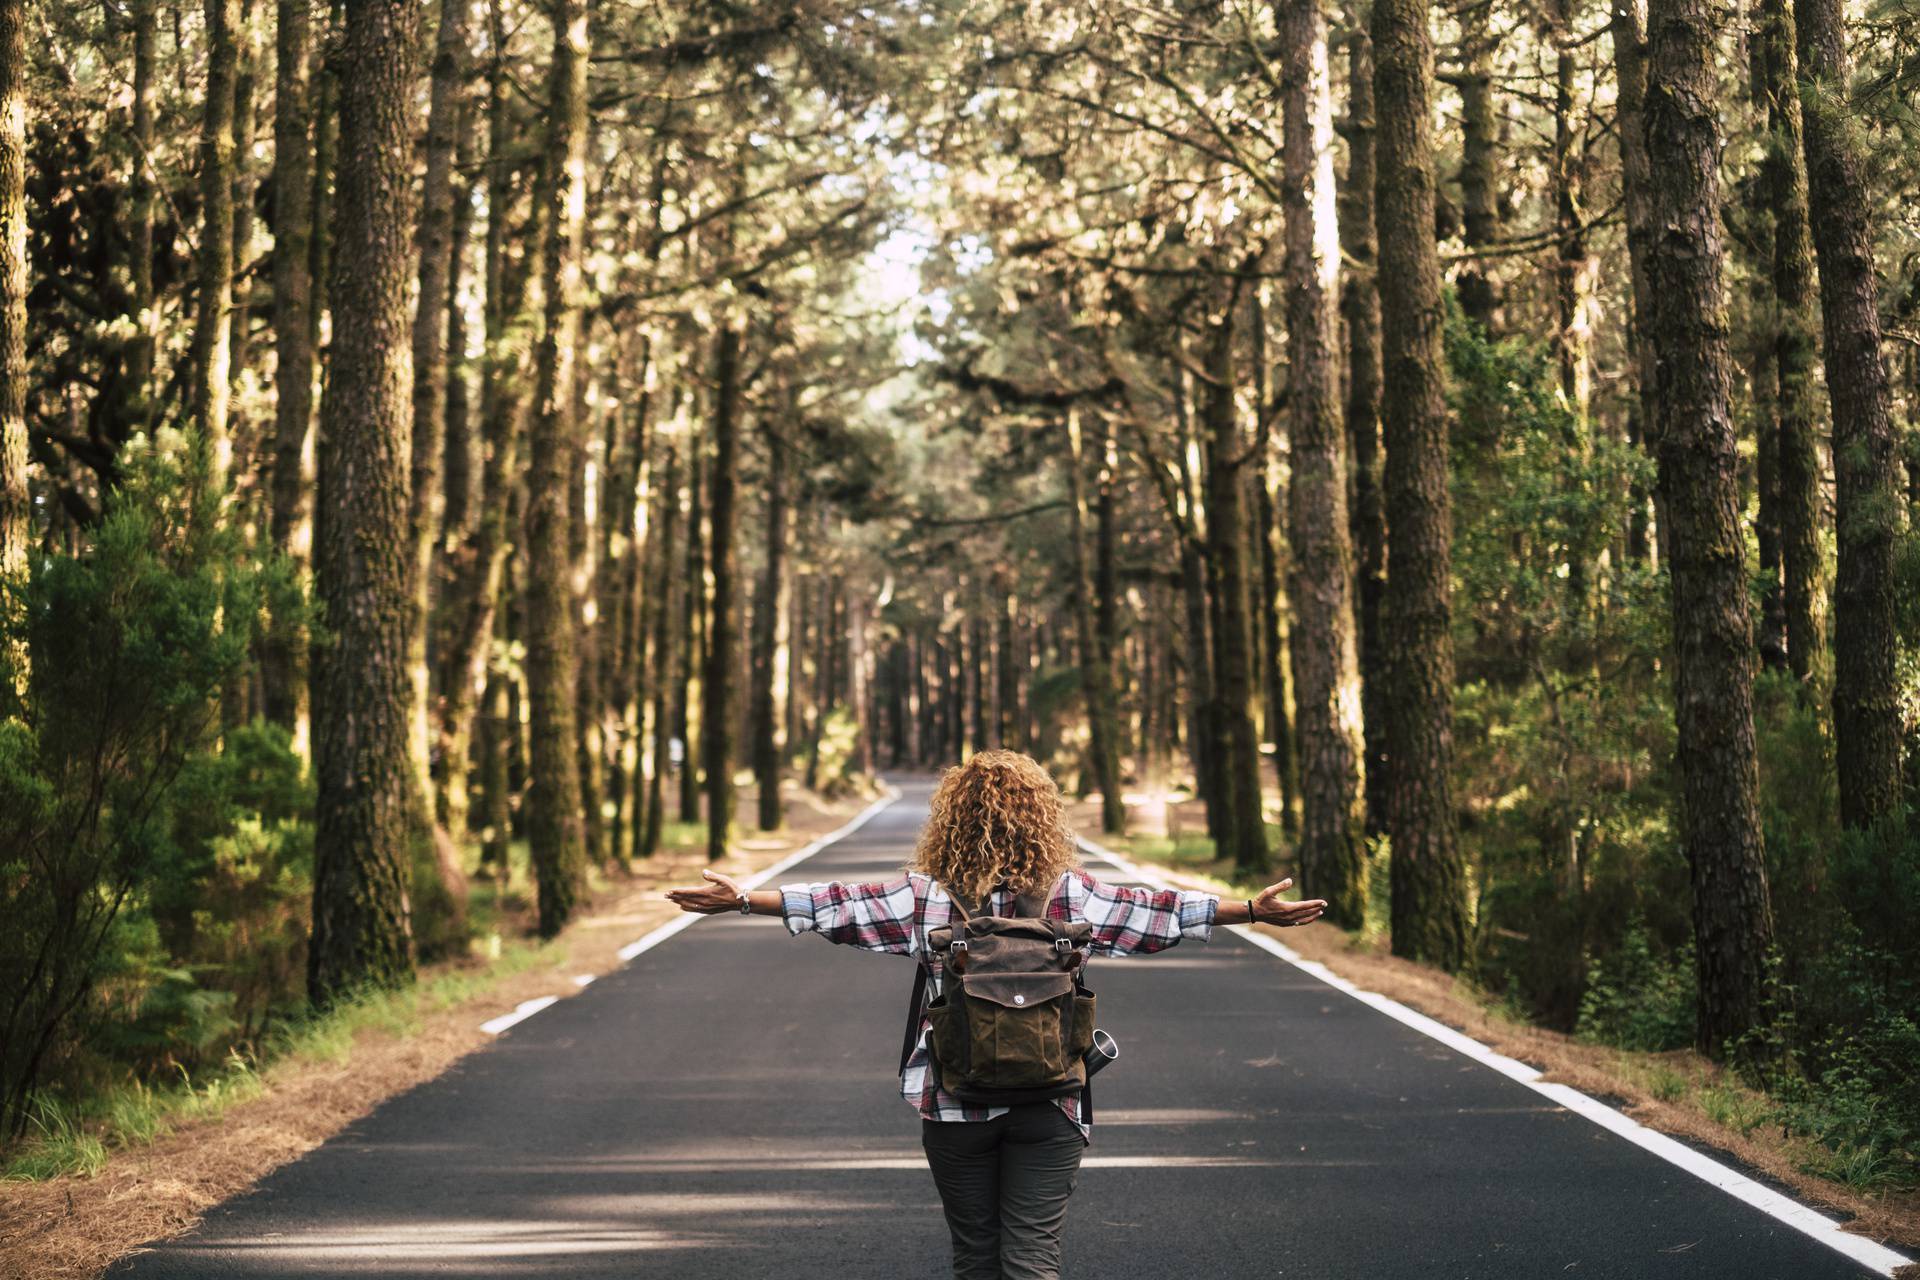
pixel 1013 1020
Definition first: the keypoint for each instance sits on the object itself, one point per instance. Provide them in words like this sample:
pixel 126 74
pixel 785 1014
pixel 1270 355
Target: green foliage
pixel 839 737
pixel 1838 1058
pixel 125 649
pixel 1636 998
pixel 1562 724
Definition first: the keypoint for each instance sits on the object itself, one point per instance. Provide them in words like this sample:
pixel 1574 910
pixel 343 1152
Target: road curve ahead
pixel 724 1108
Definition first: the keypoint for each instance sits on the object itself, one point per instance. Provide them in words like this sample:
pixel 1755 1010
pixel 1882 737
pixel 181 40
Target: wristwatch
pixel 746 904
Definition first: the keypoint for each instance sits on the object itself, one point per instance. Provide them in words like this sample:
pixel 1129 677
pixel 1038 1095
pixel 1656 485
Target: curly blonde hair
pixel 997 819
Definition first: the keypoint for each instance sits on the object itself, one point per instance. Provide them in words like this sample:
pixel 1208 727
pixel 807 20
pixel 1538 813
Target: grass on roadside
pixel 77 1137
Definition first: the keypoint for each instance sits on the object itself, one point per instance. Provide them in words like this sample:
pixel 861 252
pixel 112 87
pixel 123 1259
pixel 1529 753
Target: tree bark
pixel 365 783
pixel 1096 668
pixel 1712 629
pixel 1243 837
pixel 16 525
pixel 583 572
pixel 555 835
pixel 766 630
pixel 1326 679
pixel 510 313
pixel 1429 882
pixel 1867 507
pixel 432 241
pixel 212 330
pixel 140 254
pixel 717 674
pixel 1479 140
pixel 1360 307
pixel 1628 31
pixel 1797 466
pixel 662 655
pixel 292 329
pixel 692 620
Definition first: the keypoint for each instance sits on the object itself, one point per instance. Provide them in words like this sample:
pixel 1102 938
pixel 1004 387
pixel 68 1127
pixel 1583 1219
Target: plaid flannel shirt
pixel 896 915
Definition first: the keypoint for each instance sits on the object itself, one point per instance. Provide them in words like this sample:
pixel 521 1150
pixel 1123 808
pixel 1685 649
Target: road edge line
pixel 1782 1208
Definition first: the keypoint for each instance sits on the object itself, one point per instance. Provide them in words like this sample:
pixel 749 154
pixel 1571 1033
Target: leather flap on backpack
pixel 1017 990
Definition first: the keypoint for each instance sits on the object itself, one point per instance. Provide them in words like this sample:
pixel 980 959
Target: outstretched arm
pixel 1267 908
pixel 723 893
pixel 872 916
pixel 1138 921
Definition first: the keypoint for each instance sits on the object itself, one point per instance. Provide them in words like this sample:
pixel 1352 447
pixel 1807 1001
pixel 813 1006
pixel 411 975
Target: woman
pixel 996 832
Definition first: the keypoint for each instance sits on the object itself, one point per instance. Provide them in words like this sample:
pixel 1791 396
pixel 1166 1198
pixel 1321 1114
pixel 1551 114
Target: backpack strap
pixel 916 1009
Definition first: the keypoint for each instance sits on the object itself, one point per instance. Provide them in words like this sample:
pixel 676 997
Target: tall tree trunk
pixel 1096 669
pixel 212 329
pixel 1264 477
pixel 1244 836
pixel 1867 508
pixel 432 239
pixel 1429 878
pixel 292 329
pixel 718 674
pixel 1629 34
pixel 662 656
pixel 140 253
pixel 692 625
pixel 16 525
pixel 479 582
pixel 326 136
pixel 239 313
pixel 766 634
pixel 1479 140
pixel 1326 678
pixel 1106 598
pixel 1360 307
pixel 1013 734
pixel 859 684
pixel 555 835
pixel 1797 469
pixel 583 571
pixel 365 783
pixel 1712 630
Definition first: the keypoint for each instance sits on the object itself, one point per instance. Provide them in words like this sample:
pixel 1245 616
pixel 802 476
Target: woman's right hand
pixel 720 893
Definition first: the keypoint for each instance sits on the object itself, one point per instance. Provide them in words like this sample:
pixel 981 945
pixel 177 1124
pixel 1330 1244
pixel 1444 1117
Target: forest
pixel 1463 454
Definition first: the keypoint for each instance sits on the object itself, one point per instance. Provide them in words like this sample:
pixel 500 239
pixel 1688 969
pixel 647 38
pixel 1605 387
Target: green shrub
pixel 126 648
pixel 1638 999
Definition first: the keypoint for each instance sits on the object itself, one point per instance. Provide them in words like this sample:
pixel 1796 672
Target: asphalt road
pixel 724 1108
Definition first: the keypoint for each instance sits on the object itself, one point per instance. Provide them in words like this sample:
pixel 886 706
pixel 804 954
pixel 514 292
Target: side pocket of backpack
pixel 1083 1023
pixel 947 1040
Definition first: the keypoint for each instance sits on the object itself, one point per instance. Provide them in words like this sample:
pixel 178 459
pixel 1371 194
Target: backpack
pixel 1013 1020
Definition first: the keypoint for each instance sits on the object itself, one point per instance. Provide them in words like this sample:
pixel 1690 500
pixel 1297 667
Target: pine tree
pixel 1428 874
pixel 1712 630
pixel 365 782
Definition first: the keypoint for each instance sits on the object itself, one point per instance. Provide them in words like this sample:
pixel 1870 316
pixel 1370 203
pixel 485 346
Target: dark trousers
pixel 1004 1183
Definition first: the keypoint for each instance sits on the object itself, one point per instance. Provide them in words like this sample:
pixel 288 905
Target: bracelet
pixel 1251 917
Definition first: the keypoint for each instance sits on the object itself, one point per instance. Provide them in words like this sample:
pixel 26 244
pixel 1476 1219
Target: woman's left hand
pixel 720 893
pixel 1269 909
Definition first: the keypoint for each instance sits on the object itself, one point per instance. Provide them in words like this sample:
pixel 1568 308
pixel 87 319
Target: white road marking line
pixel 526 1009
pixel 521 1012
pixel 1816 1225
pixel 582 979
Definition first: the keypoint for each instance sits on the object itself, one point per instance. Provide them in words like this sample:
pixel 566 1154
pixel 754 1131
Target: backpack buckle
pixel 1063 945
pixel 957 945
